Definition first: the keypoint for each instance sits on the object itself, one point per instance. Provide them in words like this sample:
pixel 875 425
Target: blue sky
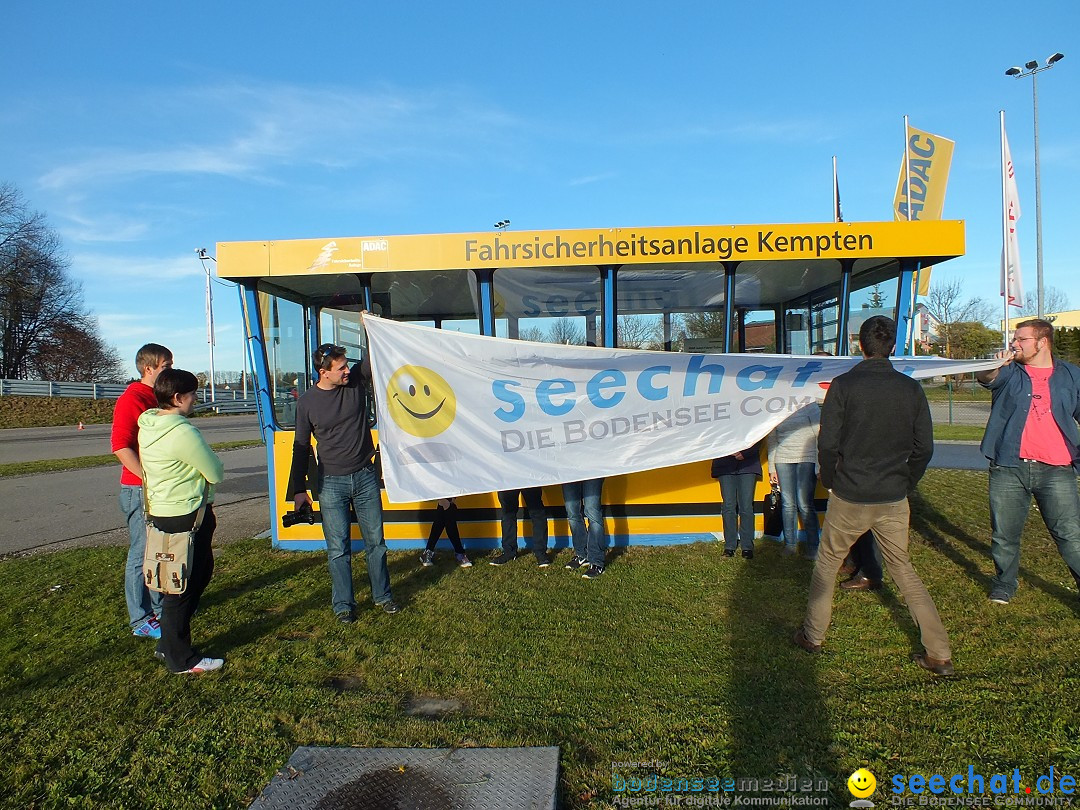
pixel 147 130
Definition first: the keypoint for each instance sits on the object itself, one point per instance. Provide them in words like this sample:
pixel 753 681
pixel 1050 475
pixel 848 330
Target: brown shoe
pixel 935 665
pixel 801 640
pixel 847 569
pixel 861 583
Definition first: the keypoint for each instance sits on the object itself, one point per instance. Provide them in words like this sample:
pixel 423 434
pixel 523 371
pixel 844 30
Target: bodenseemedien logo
pixel 862 784
pixel 420 401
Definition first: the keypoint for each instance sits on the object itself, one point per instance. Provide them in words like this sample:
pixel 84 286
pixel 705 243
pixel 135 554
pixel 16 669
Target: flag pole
pixel 1004 235
pixel 907 171
pixel 837 216
pixel 918 268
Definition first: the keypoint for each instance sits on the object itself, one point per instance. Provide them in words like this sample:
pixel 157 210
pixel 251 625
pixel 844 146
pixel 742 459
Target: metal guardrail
pixel 226 400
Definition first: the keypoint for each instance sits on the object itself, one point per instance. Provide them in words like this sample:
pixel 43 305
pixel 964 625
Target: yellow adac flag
pixel 922 197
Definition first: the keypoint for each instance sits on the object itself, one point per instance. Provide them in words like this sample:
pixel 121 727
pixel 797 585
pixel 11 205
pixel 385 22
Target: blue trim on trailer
pixel 249 305
pixel 608 297
pixel 905 322
pixel 560 543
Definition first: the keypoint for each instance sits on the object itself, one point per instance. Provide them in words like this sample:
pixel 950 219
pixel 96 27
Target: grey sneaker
pixel 502 559
pixel 999 597
pixel 390 607
pixel 463 561
pixel 427 558
pixel 205 665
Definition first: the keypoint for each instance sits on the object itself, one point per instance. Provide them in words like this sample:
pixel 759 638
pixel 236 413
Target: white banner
pixel 460 414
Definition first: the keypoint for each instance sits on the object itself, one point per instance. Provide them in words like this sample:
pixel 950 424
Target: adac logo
pixel 420 401
pixel 862 784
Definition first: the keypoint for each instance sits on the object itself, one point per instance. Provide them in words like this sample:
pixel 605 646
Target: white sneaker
pixel 463 561
pixel 205 665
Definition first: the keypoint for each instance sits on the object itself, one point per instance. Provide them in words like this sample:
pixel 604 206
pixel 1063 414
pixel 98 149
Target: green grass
pixel 971 433
pixel 82 462
pixel 676 654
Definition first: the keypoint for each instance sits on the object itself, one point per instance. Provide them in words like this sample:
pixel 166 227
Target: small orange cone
pixel 81 426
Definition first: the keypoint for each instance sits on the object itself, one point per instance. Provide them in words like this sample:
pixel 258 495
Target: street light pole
pixel 1031 69
pixel 204 257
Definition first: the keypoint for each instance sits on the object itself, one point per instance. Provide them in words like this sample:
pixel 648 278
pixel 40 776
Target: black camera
pixel 301 515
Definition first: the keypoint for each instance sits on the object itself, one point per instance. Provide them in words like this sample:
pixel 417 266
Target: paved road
pixel 79 507
pixel 962 413
pixel 958 456
pixel 39 444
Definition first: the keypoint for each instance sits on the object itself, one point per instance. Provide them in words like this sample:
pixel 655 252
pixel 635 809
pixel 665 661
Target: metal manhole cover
pixel 414 779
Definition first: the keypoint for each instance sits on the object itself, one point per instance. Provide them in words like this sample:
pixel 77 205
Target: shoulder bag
pixel 167 561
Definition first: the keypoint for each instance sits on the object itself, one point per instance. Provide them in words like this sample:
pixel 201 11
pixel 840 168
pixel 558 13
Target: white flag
pixel 1011 284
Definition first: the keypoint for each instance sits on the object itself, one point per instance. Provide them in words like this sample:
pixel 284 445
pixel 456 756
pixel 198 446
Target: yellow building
pixel 1061 320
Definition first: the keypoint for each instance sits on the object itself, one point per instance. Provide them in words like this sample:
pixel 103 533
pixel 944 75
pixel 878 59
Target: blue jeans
pixel 361 489
pixel 582 499
pixel 1056 494
pixel 534 505
pixel 142 603
pixel 737 509
pixel 797 484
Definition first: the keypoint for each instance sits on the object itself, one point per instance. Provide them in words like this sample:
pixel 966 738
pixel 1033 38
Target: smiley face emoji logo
pixel 421 402
pixel 861 783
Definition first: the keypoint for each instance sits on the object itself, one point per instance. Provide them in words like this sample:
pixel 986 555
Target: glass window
pixel 548 305
pixel 445 300
pixel 824 317
pixel 797 328
pixel 671 308
pixel 284 324
pixel 873 292
pixel 758 330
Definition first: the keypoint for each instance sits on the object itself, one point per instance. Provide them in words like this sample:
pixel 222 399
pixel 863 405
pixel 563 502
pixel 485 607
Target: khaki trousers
pixel 845 521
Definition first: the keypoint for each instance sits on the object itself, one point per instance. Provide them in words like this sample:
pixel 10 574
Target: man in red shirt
pixel 1033 445
pixel 143 605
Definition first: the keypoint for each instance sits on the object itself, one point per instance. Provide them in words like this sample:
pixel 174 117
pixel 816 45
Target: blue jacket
pixel 1010 394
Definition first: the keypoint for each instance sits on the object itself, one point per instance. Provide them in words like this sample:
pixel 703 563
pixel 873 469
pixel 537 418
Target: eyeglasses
pixel 1021 340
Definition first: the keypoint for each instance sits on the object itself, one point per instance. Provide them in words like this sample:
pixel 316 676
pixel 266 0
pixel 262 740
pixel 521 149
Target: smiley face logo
pixel 861 783
pixel 420 401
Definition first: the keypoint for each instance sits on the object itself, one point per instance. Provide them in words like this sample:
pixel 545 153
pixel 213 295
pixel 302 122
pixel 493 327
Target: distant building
pixel 1069 319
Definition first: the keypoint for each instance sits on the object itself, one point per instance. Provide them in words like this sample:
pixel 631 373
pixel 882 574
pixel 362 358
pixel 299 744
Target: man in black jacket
pixel 875 442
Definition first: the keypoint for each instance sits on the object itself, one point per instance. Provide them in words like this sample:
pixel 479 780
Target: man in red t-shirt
pixel 143 605
pixel 1033 445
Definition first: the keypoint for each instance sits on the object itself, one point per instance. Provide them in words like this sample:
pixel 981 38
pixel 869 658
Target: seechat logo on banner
pixel 420 401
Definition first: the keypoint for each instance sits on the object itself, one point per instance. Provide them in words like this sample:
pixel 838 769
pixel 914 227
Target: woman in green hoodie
pixel 178 465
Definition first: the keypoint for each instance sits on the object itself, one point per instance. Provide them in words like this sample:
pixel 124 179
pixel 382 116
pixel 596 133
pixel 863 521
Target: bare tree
pixel 73 351
pixel 640 332
pixel 947 304
pixel 39 301
pixel 533 333
pixel 565 331
pixel 1054 301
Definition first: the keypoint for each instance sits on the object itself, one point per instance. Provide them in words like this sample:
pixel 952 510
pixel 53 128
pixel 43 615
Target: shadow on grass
pixel 779 720
pixel 938 530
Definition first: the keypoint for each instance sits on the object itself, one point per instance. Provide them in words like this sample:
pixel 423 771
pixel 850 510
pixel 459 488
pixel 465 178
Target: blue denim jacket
pixel 1010 395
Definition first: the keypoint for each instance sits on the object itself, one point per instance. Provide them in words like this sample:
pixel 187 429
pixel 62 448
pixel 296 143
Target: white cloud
pixel 592 178
pixel 252 128
pixel 137 270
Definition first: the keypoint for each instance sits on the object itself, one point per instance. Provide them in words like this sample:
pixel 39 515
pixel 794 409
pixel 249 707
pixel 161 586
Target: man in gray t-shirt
pixel 336 412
